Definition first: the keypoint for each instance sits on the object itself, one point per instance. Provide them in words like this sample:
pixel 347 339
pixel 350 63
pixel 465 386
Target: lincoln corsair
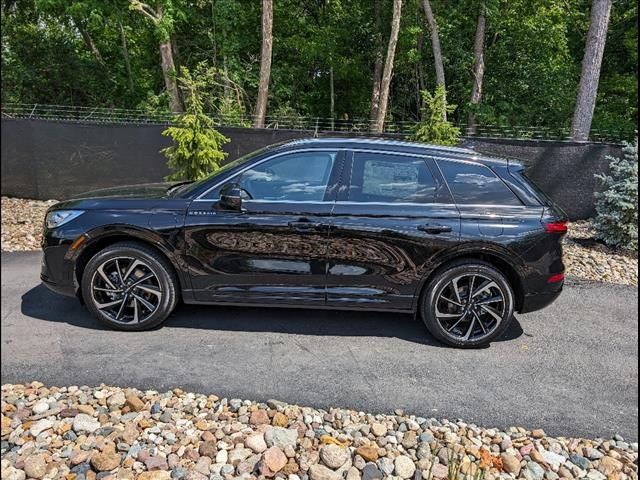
pixel 456 238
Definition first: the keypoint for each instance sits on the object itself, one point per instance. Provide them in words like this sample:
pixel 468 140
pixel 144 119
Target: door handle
pixel 434 228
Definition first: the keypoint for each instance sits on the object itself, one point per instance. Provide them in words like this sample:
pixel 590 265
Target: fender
pixel 469 249
pixel 163 242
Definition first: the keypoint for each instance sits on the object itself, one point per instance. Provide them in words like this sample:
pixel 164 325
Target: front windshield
pixel 186 189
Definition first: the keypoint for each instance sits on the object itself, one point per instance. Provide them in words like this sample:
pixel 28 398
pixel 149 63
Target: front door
pixel 274 250
pixel 394 216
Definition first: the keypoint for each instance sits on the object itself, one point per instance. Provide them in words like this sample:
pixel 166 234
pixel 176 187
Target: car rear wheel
pixel 468 304
pixel 129 286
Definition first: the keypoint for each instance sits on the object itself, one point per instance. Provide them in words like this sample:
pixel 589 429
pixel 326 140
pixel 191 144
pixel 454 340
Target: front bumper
pixel 57 271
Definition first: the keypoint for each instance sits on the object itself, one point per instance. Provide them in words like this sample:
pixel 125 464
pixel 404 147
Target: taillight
pixel 556 227
pixel 558 277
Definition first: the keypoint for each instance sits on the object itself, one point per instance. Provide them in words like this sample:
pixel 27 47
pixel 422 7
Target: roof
pixel 394 145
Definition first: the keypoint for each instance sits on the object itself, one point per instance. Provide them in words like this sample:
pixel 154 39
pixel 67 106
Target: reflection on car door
pixel 275 250
pixel 393 216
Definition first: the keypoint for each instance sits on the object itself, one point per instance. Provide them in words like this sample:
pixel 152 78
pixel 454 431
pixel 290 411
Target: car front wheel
pixel 468 304
pixel 129 286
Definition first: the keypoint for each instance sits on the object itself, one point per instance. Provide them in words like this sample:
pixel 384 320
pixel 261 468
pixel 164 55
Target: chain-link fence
pixel 318 124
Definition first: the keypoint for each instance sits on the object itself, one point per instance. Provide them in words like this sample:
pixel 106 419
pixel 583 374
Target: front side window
pixel 475 184
pixel 293 177
pixel 388 178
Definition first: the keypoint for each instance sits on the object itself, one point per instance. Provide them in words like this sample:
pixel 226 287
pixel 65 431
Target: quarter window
pixel 474 184
pixel 388 178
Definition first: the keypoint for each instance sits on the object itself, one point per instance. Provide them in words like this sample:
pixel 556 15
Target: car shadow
pixel 43 304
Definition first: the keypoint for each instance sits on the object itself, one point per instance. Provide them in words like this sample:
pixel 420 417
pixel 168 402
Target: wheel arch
pixel 508 264
pixel 101 238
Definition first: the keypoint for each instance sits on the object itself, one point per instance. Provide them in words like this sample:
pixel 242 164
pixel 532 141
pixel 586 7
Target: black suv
pixel 460 239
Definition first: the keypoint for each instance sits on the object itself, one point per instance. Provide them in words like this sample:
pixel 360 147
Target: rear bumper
pixel 538 301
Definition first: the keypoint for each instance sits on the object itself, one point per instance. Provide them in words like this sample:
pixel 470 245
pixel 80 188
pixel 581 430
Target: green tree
pixel 616 221
pixel 433 128
pixel 196 151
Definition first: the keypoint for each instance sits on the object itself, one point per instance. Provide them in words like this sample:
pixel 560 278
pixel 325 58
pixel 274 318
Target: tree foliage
pixel 533 52
pixel 434 128
pixel 617 206
pixel 196 151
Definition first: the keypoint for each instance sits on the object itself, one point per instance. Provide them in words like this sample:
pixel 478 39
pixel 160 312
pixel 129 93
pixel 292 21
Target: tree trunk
pixel 435 46
pixel 591 62
pixel 125 54
pixel 478 70
pixel 88 41
pixel 265 63
pixel 377 68
pixel 168 72
pixel 332 100
pixel 378 125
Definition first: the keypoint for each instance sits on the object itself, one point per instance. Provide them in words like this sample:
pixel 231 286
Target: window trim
pixel 426 158
pixel 515 195
pixel 337 151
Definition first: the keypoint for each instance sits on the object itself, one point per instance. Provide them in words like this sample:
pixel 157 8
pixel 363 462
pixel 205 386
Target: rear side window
pixel 388 178
pixel 474 184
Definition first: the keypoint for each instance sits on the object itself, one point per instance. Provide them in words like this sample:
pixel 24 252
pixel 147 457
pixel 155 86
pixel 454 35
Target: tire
pixel 150 287
pixel 480 321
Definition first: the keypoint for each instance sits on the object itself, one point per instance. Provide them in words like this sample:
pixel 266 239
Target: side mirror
pixel 231 196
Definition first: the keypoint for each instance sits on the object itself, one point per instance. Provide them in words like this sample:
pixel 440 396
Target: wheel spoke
pixel 151 290
pixel 135 310
pixel 148 305
pixel 484 330
pixel 124 302
pixel 131 268
pixel 494 299
pixel 102 306
pixel 450 301
pixel 454 283
pixel 470 330
pixel 492 312
pixel 471 282
pixel 142 279
pixel 119 272
pixel 107 290
pixel 485 286
pixel 456 324
pixel 105 277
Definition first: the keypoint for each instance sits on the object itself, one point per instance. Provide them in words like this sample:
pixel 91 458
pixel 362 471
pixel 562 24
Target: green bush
pixel 433 128
pixel 616 221
pixel 196 151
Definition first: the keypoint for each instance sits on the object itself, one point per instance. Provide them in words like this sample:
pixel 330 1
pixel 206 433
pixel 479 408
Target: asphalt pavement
pixel 571 369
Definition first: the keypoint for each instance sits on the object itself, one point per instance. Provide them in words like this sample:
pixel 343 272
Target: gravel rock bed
pixel 587 258
pixel 83 433
pixel 22 222
pixel 22 230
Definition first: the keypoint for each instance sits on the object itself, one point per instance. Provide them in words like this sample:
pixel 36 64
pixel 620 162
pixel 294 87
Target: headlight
pixel 60 217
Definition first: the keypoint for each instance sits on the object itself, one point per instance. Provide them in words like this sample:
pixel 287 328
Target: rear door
pixel 393 214
pixel 489 210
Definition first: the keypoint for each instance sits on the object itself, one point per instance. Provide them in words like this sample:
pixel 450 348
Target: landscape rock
pixel 109 433
pixel 334 456
pixel 85 423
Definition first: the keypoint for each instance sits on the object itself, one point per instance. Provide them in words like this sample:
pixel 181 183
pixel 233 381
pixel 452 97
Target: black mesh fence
pixel 102 115
pixel 47 159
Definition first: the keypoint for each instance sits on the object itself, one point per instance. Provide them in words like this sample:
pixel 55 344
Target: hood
pixel 147 190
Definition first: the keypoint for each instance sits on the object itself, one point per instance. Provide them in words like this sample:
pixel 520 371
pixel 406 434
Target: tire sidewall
pixel 428 304
pixel 164 276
